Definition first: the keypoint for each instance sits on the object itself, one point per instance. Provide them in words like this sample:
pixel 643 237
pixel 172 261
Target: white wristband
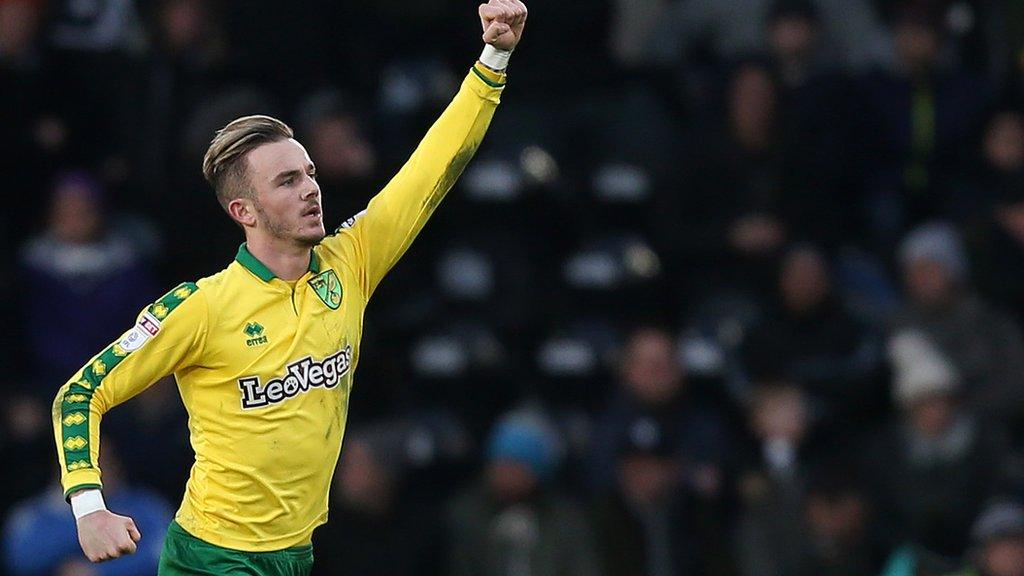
pixel 87 502
pixel 495 59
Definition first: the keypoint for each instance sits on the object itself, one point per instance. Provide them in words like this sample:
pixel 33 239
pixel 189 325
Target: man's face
pixel 792 37
pixel 917 46
pixel 804 281
pixel 287 202
pixel 928 282
pixel 1004 142
pixel 650 369
pixel 1004 557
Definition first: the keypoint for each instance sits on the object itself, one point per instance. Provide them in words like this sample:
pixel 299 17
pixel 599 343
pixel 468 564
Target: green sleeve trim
pixel 75 402
pixel 487 80
pixel 67 493
pixel 168 302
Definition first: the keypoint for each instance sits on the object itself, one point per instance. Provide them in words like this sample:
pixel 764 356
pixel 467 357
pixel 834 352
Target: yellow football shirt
pixel 265 367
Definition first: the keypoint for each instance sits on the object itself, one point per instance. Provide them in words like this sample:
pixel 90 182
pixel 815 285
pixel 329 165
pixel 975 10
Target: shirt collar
pixel 252 264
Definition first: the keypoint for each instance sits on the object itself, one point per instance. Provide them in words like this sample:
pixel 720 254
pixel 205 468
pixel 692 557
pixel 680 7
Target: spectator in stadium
pixel 40 538
pixel 653 389
pixel 514 522
pixel 984 345
pixel 82 278
pixel 937 463
pixel 34 132
pixel 651 522
pixel 808 337
pixel 732 218
pixel 25 439
pixel 381 531
pixel 93 45
pixel 813 119
pixel 997 237
pixel 831 532
pixel 998 540
pixel 347 161
pixel 913 120
pixel 856 39
pixel 773 467
pixel 185 67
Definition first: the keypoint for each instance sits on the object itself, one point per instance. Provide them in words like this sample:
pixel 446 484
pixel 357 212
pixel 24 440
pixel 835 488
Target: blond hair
pixel 224 165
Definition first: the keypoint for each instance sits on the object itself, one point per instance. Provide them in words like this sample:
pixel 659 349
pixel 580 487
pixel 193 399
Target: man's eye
pixel 288 181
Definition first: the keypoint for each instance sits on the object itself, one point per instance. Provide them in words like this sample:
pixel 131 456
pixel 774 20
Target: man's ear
pixel 242 211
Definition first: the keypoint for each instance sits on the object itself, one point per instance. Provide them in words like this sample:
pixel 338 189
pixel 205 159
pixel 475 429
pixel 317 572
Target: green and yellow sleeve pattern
pixel 165 335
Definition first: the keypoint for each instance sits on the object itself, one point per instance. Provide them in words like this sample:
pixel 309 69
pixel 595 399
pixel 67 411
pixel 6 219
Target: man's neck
pixel 287 261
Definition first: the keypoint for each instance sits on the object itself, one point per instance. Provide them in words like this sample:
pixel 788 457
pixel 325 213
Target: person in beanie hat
pixel 983 344
pixel 998 537
pixel 513 521
pixel 936 464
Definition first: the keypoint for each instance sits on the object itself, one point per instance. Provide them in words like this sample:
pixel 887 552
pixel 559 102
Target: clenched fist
pixel 105 535
pixel 503 22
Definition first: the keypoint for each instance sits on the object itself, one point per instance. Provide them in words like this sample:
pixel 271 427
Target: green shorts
pixel 186 555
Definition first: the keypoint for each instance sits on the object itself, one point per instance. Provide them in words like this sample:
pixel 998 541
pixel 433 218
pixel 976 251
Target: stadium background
pixel 733 286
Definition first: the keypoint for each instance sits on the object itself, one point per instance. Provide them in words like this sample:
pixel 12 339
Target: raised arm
pixel 377 237
pixel 167 336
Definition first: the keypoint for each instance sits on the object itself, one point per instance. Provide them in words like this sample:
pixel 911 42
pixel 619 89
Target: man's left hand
pixel 503 22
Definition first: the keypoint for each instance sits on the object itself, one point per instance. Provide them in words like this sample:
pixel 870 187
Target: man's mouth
pixel 312 211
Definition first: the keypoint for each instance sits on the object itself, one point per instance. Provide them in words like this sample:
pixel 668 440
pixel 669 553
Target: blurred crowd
pixel 732 287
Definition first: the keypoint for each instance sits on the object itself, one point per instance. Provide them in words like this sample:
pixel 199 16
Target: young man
pixel 264 351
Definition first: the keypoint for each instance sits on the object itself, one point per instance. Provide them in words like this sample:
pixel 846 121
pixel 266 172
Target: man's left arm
pixel 378 236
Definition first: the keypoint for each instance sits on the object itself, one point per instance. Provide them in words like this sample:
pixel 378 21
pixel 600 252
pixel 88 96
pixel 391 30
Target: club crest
pixel 328 288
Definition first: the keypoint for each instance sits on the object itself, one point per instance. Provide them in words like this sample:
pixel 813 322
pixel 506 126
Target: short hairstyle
pixel 224 165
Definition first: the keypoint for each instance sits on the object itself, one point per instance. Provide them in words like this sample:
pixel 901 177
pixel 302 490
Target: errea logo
pixel 255 333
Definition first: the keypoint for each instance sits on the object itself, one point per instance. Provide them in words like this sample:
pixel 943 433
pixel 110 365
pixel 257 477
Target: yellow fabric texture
pixel 264 368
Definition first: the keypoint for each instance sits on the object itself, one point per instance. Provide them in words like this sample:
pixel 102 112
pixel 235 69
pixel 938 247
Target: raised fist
pixel 503 22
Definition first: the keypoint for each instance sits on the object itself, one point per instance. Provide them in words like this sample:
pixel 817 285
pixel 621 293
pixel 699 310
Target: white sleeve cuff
pixel 495 59
pixel 87 502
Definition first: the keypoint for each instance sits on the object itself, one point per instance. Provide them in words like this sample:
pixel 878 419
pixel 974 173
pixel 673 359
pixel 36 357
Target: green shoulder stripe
pixel 74 402
pixel 166 304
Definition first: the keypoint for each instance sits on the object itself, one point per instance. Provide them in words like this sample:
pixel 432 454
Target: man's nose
pixel 311 192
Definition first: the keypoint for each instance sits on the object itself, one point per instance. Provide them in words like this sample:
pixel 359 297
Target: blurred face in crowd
pixel 75 215
pixel 1011 218
pixel 804 281
pixel 19 22
pixel 287 204
pixel 1003 557
pixel 752 107
pixel 837 519
pixel 793 37
pixel 363 484
pixel 25 419
pixel 1004 142
pixel 183 23
pixel 650 369
pixel 648 479
pixel 510 480
pixel 342 151
pixel 779 413
pixel 917 46
pixel 932 416
pixel 928 283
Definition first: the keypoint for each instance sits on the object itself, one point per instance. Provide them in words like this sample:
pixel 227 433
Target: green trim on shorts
pixel 186 555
